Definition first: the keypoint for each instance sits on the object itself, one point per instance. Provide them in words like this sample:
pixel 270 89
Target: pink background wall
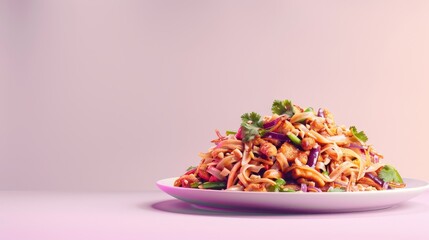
pixel 114 95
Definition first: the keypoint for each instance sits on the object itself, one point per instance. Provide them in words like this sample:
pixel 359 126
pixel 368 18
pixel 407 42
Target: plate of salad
pixel 289 160
pixel 306 202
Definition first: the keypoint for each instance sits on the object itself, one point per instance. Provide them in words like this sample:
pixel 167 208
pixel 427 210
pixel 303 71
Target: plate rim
pixel 422 188
pixel 329 202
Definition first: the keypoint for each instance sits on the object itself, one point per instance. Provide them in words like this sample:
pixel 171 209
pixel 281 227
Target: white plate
pixel 295 201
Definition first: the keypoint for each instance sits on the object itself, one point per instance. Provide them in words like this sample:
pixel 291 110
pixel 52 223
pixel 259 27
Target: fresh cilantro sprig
pixel 361 136
pixel 252 117
pixel 251 126
pixel 282 107
pixel 249 131
pixel 389 174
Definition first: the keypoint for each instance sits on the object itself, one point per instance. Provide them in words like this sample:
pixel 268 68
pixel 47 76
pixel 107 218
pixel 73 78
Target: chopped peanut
pixel 317 124
pixel 308 143
pixel 303 157
pixel 237 154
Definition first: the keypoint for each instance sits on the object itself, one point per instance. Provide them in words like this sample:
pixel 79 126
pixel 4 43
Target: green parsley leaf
pixel 282 107
pixel 253 117
pixel 251 126
pixel 361 136
pixel 336 190
pixel 249 131
pixel 389 174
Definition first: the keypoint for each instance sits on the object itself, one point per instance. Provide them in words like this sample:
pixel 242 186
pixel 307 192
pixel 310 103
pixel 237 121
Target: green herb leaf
pixel 282 107
pixel 249 131
pixel 251 126
pixel 361 136
pixel 253 117
pixel 389 174
pixel 195 184
pixel 336 190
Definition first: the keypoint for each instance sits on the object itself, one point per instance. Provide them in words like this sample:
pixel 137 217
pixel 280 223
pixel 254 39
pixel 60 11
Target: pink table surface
pixel 155 215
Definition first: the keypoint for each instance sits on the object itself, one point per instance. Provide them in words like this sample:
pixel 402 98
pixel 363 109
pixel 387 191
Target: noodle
pixel 291 150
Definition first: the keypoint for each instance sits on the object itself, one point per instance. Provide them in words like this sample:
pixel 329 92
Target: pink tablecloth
pixel 155 215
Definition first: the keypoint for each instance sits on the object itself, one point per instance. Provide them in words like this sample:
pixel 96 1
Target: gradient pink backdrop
pixel 114 95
